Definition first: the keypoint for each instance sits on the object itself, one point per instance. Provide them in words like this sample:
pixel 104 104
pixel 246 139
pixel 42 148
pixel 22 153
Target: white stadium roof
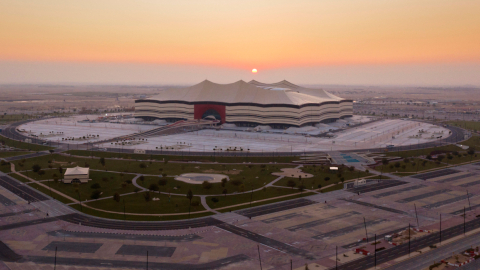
pixel 282 92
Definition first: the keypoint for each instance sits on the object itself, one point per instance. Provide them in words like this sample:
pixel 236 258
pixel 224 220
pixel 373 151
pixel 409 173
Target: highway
pixel 398 251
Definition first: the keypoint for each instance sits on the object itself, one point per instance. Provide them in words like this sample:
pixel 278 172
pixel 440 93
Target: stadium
pixel 278 105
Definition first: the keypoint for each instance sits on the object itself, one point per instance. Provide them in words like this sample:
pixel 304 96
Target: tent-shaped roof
pixel 288 85
pixel 76 171
pixel 242 92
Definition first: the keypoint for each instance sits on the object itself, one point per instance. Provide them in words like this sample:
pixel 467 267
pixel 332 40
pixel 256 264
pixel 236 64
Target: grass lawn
pixel 304 194
pixel 135 203
pixel 183 158
pixel 270 192
pixel 247 177
pixel 112 186
pixel 332 188
pixel 474 142
pixel 19 178
pixel 413 166
pixel 5 167
pixel 137 218
pixel 471 125
pixel 319 177
pixel 51 194
pixel 23 145
pixel 246 173
pixel 6 154
pixel 461 158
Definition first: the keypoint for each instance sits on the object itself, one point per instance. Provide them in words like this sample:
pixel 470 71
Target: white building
pixel 76 175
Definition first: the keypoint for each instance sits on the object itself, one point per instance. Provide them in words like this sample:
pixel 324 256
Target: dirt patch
pixel 223 172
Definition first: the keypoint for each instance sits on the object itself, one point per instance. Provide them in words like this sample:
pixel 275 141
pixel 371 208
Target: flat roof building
pixel 76 175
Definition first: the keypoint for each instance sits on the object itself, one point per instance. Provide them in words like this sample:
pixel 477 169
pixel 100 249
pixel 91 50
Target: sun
pixel 254 70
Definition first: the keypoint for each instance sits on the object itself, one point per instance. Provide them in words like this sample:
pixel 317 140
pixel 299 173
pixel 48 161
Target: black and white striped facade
pixel 246 104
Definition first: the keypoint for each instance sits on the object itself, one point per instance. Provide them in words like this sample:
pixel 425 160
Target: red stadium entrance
pixel 201 111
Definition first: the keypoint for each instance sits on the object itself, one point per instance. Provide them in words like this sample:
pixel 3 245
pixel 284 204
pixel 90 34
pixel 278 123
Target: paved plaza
pixel 306 230
pixel 378 134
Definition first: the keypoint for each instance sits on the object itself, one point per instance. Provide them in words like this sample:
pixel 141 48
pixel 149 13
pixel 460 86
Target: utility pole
pixel 55 262
pixel 365 223
pixel 375 251
pixel 468 197
pixel 418 224
pixel 147 259
pixel 259 258
pixel 336 257
pixel 440 228
pixel 464 216
pixel 408 239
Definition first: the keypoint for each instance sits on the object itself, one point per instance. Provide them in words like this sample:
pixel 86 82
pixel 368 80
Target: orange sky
pixel 242 34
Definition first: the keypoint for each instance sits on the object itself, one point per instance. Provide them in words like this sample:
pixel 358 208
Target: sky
pixel 378 42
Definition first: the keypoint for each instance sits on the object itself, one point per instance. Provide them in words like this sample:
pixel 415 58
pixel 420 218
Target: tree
pixel 384 161
pixel 189 197
pixel 162 182
pixel 326 178
pixel 214 199
pixel 291 183
pixel 301 188
pixel 51 151
pixel 41 172
pixel 96 194
pixel 224 182
pixel 142 165
pixel 225 192
pixel 102 161
pixel 60 170
pixel 206 185
pixel 153 187
pixel 141 178
pixel 95 186
pixel 440 158
pixel 36 168
pixel 116 197
pixel 146 196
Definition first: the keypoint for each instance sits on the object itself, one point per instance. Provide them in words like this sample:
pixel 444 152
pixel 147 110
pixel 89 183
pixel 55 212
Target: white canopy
pixel 242 92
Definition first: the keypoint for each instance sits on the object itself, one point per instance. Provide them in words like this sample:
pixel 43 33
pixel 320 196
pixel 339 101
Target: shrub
pixel 214 199
pixel 142 165
pixel 128 181
pixel 291 183
pixel 136 190
pixel 162 182
pixel 96 194
pixel 36 168
pixel 224 182
pixel 95 186
pixel 146 196
pixel 326 178
pixel 105 179
pixel 207 185
pixel 153 187
pixel 236 182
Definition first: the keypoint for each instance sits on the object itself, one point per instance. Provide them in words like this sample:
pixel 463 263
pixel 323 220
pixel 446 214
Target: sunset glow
pixel 254 70
pixel 272 34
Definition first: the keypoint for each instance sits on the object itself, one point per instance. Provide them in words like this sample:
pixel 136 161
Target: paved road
pixel 398 251
pixel 269 242
pixel 422 261
pixel 275 207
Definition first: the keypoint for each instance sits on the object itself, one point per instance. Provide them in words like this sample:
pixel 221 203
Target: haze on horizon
pixel 376 42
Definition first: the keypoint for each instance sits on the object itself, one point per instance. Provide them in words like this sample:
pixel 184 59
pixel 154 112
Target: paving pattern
pixel 140 250
pixel 305 230
pixel 77 247
pixel 382 184
pixel 435 174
